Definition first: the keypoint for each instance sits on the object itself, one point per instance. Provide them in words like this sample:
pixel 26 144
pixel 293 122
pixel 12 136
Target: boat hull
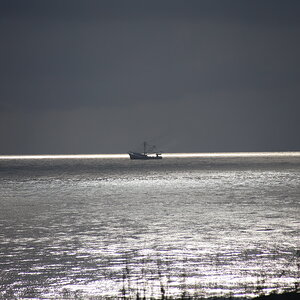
pixel 134 155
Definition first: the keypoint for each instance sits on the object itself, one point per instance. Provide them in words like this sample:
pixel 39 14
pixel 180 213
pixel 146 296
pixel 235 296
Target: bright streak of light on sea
pixel 165 155
pixel 234 154
pixel 64 156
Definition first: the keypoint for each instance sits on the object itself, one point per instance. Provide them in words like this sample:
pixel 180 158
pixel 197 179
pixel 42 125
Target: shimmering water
pixel 111 226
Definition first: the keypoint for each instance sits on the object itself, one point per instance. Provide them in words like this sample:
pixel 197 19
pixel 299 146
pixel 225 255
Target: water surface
pixel 99 226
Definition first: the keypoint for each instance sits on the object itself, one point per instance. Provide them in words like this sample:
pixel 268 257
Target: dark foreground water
pixel 115 227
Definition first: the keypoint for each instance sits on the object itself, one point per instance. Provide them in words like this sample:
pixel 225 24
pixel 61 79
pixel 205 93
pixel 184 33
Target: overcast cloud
pixel 190 76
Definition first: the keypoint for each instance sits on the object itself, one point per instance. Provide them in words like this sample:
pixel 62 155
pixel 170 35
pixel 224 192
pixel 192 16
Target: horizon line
pixel 166 155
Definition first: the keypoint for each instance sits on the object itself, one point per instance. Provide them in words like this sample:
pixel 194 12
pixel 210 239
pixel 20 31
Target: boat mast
pixel 145 144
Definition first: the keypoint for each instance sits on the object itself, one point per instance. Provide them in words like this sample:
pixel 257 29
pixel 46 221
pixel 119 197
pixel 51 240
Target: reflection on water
pixel 119 227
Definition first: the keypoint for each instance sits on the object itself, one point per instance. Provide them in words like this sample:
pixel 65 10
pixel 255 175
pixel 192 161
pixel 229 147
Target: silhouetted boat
pixel 150 152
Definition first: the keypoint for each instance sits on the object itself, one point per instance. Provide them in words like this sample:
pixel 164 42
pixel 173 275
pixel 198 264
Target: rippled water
pixel 113 227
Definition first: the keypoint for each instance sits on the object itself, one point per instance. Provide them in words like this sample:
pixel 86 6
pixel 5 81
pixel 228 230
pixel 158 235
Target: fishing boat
pixel 149 152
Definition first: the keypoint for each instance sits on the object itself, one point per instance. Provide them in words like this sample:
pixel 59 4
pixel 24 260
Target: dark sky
pixel 189 76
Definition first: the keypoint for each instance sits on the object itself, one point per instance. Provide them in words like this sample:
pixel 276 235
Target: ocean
pixel 189 224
